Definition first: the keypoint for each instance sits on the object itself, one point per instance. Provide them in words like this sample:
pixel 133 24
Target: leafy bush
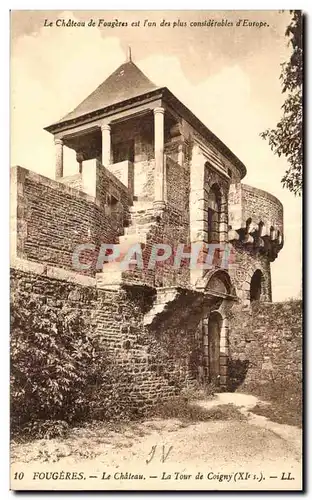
pixel 50 351
pixel 59 372
pixel 46 429
pixel 198 391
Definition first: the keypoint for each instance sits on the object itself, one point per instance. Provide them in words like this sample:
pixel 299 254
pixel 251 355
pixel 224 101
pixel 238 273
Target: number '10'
pixel 19 475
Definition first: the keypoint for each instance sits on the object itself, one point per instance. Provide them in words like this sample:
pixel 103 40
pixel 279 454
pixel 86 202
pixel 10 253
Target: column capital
pixel 59 141
pixel 80 156
pixel 105 126
pixel 159 110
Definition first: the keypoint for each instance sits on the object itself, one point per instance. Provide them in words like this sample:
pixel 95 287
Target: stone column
pixel 58 158
pixel 80 158
pixel 224 352
pixel 181 154
pixel 198 205
pixel 159 193
pixel 205 347
pixel 106 144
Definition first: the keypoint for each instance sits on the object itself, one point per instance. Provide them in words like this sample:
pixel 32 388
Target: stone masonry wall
pixel 73 181
pixel 258 205
pixel 178 187
pixel 49 219
pixel 140 131
pixel 168 228
pixel 144 179
pixel 244 263
pixel 247 202
pixel 266 344
pixel 159 363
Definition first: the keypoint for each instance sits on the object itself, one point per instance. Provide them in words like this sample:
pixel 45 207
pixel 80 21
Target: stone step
pixel 149 317
pixel 110 279
pixel 165 295
pixel 131 239
pixel 141 220
pixel 140 206
pixel 164 299
pixel 138 229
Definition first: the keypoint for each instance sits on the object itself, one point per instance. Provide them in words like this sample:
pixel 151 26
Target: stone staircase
pixel 176 305
pixel 165 298
pixel 141 221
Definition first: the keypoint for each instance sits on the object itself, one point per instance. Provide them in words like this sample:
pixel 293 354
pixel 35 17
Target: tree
pixel 286 138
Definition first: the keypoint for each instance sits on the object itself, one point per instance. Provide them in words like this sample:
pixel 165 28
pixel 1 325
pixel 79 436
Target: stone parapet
pixel 255 219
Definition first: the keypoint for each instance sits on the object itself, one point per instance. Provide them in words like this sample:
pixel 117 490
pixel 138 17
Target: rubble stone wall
pixel 247 202
pixel 50 219
pixel 262 206
pixel 244 263
pixel 160 361
pixel 266 344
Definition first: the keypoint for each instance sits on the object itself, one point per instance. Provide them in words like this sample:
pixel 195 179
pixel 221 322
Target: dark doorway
pixel 255 285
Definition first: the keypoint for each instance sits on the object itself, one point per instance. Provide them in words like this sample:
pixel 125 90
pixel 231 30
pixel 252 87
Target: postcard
pixel 155 234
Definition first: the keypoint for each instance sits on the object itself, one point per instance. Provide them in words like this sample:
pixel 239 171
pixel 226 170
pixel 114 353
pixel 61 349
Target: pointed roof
pixel 126 82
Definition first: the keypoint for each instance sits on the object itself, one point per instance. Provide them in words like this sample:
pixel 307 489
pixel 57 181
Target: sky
pixel 228 76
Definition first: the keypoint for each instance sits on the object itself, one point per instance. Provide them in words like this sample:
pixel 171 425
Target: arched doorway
pixel 256 285
pixel 214 331
pixel 215 327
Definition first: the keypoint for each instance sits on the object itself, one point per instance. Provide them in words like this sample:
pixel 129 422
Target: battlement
pixel 256 218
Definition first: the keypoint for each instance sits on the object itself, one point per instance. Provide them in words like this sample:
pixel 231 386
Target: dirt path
pixel 217 450
pixel 245 402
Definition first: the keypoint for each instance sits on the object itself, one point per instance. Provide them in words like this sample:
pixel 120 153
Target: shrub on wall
pixel 58 371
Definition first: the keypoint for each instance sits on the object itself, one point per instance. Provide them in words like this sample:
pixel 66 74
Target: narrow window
pixel 255 285
pixel 214 201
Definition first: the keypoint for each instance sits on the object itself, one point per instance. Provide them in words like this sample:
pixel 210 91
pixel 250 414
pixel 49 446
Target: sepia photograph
pixel 156 250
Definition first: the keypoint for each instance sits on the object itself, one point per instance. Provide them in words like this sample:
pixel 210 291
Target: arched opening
pixel 218 280
pixel 256 285
pixel 213 348
pixel 214 205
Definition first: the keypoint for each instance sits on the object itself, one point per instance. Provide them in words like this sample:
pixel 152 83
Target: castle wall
pixel 49 219
pixel 261 206
pixel 171 229
pixel 247 202
pixel 202 177
pixel 177 187
pixel 266 344
pixel 244 263
pixel 159 361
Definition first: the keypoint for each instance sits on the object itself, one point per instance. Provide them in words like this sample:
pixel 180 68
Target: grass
pixel 182 409
pixel 285 400
pixel 95 438
pixel 84 442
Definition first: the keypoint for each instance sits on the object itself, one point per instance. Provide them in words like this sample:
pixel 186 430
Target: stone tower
pixel 150 173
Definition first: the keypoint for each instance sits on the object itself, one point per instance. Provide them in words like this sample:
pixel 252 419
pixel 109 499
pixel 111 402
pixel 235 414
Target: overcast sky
pixel 228 77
